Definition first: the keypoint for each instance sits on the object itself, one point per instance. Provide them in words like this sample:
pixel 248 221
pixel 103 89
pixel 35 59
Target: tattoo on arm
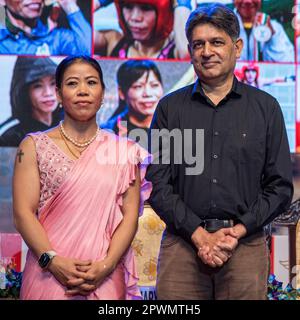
pixel 20 154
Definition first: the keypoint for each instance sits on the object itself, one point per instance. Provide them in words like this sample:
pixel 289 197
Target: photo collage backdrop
pixel 103 30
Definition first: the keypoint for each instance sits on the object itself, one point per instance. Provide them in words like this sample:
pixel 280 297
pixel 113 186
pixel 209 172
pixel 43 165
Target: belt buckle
pixel 213 225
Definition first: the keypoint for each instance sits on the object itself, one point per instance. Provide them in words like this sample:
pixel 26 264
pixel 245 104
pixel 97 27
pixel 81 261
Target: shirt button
pixel 216 133
pixel 213 205
pixel 214 180
pixel 215 156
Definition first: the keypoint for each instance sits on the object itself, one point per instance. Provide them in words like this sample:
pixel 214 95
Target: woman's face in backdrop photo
pixel 143 95
pixel 140 20
pixel 42 96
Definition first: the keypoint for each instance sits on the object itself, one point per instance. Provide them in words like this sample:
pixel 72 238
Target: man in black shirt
pixel 214 246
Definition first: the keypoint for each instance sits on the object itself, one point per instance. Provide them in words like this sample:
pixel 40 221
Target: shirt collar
pixel 10 30
pixel 236 90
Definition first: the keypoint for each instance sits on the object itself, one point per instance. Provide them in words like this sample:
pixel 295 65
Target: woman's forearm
pixel 32 232
pixel 180 17
pixel 121 240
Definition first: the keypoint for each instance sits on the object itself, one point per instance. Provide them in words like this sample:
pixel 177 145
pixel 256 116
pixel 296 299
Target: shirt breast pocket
pixel 248 149
pixel 251 150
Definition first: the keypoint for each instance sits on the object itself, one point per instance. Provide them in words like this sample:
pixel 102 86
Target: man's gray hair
pixel 218 15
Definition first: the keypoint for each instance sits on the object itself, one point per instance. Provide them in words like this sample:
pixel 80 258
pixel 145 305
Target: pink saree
pixel 81 216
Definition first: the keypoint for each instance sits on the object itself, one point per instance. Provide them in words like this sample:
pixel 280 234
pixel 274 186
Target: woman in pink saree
pixel 77 194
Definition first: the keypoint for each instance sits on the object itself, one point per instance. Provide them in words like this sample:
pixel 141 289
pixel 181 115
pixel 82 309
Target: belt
pixel 213 225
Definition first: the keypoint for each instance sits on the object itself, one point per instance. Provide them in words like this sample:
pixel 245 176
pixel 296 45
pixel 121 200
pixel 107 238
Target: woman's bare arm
pixel 181 15
pixel 26 194
pixel 105 41
pixel 126 230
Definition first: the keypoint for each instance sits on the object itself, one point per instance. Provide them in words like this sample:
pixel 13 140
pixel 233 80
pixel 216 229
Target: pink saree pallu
pixel 82 215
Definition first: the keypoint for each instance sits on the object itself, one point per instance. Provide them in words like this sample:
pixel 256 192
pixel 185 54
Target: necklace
pixel 76 143
pixel 66 143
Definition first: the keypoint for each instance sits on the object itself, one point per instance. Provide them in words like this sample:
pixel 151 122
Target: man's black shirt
pixel 247 169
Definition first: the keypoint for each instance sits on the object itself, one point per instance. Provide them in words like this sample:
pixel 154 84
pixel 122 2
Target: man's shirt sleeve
pixel 277 186
pixel 166 203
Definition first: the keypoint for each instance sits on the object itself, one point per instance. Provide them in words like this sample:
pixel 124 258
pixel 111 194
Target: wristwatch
pixel 45 259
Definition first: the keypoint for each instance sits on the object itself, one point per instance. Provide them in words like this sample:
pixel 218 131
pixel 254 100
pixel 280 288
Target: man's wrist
pixel 197 237
pixel 240 230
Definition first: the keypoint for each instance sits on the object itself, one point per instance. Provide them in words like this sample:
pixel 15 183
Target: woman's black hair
pixel 128 73
pixel 27 70
pixel 67 62
pixel 132 70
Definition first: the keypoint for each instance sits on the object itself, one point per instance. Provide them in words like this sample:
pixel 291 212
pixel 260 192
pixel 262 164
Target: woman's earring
pixel 60 105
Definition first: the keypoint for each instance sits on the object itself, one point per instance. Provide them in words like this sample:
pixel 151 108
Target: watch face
pixel 44 260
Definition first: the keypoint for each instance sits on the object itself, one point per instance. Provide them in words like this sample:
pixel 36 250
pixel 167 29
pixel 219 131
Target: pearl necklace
pixel 66 143
pixel 76 143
